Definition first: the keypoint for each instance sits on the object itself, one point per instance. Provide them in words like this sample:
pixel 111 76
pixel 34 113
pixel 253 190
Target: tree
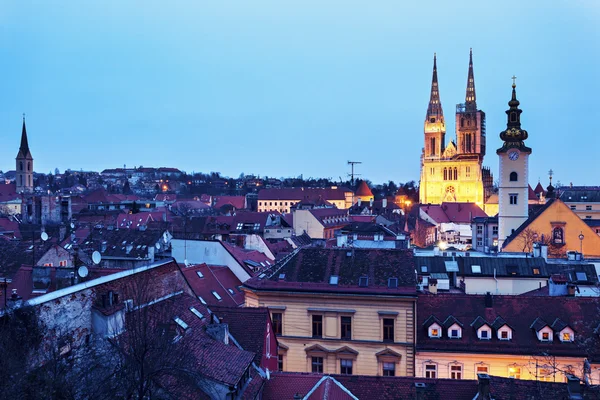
pixel 126 188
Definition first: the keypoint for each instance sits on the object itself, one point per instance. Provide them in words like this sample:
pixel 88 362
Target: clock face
pixel 513 155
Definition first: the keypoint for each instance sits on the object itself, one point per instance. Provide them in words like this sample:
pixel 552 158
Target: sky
pixel 283 88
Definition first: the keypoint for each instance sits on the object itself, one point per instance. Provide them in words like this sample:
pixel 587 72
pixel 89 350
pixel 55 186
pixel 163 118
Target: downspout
pixel 496 279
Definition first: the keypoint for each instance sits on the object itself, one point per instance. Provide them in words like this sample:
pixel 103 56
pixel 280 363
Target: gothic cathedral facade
pixel 454 172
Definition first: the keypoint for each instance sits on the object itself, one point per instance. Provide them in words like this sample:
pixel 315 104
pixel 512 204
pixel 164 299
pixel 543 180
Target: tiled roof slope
pixel 312 268
pixel 214 278
pixel 519 312
pixel 453 212
pixel 247 325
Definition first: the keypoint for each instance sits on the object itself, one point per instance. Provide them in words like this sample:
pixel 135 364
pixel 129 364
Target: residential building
pixel 369 235
pixel 10 200
pixel 538 338
pixel 283 199
pixel 319 223
pixel 363 193
pixel 582 200
pixel 452 220
pixel 485 234
pixel 453 172
pixel 341 311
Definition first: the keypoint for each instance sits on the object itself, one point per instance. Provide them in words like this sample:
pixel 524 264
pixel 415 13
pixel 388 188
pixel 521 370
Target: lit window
pixel 514 372
pixel 536 271
pixel 566 337
pixel 62 263
pixel 434 332
pixel 430 371
pixel 481 369
pixel 504 335
pixel 545 336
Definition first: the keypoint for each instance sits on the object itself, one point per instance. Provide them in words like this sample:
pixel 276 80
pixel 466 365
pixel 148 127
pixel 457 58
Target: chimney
pixel 371 202
pixel 384 203
pixel 219 332
pixel 488 300
pixel 359 201
pixel 14 301
pixel 297 396
pixel 483 387
pixel 574 387
pixel 432 285
pixel 544 250
pixel 420 389
pixel 571 289
pixel 557 285
pixel 537 251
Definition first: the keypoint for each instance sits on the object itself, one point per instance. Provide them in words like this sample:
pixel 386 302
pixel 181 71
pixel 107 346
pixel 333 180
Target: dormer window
pixel 566 337
pixel 435 331
pixel 455 332
pixel 484 333
pixel 545 336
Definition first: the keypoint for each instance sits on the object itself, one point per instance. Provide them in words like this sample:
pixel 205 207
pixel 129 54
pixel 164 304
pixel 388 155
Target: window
pixel 484 334
pixel 545 336
pixel 62 263
pixel 277 320
pixel 431 371
pixel 476 269
pixel 435 331
pixel 545 374
pixel 389 369
pixel 217 296
pixel 566 337
pixel 558 235
pixel 588 208
pixel 513 177
pixel 317 364
pixel 346 367
pixel 432 146
pixel 280 362
pixel 317 326
pixel 536 271
pixel 432 120
pixel 346 324
pixel 494 230
pixel 388 329
pixel 200 274
pixel 573 207
pixel 455 371
pixel 479 242
pixel 445 174
pixel 468 172
pixel 513 198
pixel 481 369
pixel 333 280
pixel 480 229
pixel 504 335
pixel 455 173
pixel 514 372
pixel 455 333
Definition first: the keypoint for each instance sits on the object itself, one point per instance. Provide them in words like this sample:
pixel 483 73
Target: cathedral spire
pixel 24 148
pixel 435 107
pixel 470 98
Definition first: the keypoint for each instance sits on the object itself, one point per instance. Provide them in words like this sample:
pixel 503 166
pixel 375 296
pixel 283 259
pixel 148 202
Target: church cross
pixel 514 78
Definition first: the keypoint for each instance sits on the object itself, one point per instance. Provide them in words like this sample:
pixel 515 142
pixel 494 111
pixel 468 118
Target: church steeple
pixel 514 136
pixel 435 106
pixel 470 98
pixel 24 148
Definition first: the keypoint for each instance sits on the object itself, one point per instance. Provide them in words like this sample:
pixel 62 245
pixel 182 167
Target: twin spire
pixel 435 106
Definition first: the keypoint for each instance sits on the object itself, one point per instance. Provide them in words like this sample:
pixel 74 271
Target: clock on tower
pixel 514 165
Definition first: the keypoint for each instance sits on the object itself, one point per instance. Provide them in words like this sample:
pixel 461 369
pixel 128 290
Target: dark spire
pixel 24 149
pixel 435 107
pixel 470 98
pixel 514 136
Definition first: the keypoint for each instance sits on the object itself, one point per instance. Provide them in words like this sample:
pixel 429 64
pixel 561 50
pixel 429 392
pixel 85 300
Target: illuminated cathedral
pixel 454 171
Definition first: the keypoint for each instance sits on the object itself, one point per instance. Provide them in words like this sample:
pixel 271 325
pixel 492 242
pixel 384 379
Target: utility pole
pixel 352 174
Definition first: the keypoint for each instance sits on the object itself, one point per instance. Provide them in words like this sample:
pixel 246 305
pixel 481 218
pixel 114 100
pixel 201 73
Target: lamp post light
pixel 581 237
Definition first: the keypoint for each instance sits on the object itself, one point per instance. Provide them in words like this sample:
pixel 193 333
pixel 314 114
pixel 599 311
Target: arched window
pixel 455 173
pixel 462 122
pixel 28 166
pixel 514 177
pixel 432 120
pixel 21 165
pixel 21 180
pixel 513 117
pixel 558 235
pixel 445 174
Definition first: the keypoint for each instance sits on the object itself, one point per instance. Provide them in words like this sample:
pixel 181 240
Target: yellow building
pixel 363 193
pixel 523 337
pixel 339 311
pixel 454 172
pixel 558 226
pixel 282 200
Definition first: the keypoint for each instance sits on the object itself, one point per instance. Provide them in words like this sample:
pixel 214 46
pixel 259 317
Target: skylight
pixel 581 276
pixel 281 277
pixel 217 296
pixel 231 291
pixel 200 274
pixel 201 300
pixel 476 269
pixel 333 279
pixel 181 323
pixel 423 268
pixel 363 281
pixel 451 266
pixel 393 283
pixel 196 313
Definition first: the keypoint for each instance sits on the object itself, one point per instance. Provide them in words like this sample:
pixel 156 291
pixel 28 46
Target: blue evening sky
pixel 283 88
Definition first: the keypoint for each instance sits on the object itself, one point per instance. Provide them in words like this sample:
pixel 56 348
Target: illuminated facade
pixel 454 172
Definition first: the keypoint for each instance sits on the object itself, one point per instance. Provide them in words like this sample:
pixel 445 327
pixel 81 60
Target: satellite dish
pixel 96 257
pixel 157 246
pixel 82 271
pixel 44 236
pixel 72 225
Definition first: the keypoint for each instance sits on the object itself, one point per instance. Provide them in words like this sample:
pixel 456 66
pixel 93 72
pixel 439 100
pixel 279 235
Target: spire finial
pixel 514 78
pixel 470 97
pixel 435 107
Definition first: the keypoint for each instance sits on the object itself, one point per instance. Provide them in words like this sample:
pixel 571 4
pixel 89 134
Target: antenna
pixel 352 174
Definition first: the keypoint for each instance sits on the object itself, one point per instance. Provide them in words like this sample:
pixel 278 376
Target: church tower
pixel 435 127
pixel 470 122
pixel 24 164
pixel 514 167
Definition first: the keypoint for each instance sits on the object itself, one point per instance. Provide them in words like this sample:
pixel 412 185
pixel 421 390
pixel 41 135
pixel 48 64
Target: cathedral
pixel 454 172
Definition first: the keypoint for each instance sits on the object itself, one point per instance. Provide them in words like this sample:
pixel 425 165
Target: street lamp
pixel 581 237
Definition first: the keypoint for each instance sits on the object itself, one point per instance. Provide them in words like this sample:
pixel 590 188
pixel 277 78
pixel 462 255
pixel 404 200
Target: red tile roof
pixel 519 312
pixel 531 194
pixel 8 192
pixel 248 257
pixel 363 189
pixel 214 278
pixel 238 202
pixel 453 212
pixel 9 228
